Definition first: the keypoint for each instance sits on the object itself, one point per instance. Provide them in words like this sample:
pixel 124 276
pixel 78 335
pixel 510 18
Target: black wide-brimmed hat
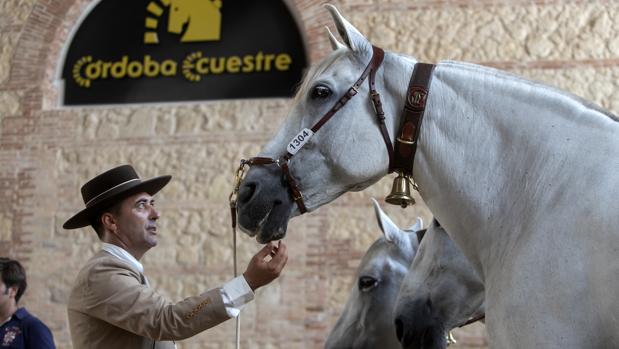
pixel 109 188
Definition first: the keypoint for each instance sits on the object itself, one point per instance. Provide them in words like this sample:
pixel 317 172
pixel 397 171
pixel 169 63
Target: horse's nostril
pixel 429 304
pixel 246 192
pixel 399 329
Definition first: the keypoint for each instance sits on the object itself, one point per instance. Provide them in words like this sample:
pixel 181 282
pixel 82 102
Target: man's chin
pixel 151 241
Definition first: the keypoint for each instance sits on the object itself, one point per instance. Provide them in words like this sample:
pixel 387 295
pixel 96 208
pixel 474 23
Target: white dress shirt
pixel 235 293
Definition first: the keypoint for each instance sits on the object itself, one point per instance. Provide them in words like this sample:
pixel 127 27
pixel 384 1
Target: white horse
pixel 367 318
pixel 523 176
pixel 440 292
pixel 436 292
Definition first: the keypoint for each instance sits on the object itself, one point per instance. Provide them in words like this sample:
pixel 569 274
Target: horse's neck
pixel 498 154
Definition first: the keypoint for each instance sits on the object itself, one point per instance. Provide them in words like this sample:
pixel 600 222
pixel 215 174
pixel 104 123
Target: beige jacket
pixel 110 306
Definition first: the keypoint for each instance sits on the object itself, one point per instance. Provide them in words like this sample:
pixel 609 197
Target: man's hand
pixel 260 272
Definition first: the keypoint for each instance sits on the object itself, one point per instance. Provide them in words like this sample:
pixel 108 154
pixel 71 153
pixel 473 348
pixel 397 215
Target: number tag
pixel 299 140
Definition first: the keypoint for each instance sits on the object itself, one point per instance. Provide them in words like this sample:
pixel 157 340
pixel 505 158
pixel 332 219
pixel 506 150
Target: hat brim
pixel 84 217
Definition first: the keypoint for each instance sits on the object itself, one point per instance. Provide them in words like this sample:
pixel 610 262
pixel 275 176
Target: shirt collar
pixel 123 255
pixel 21 313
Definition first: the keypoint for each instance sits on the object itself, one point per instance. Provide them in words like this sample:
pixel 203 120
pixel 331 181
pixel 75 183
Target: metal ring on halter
pixel 406 141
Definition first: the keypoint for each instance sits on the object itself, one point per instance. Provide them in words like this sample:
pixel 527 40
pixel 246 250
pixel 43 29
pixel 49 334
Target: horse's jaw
pixel 272 226
pixel 268 229
pixel 265 204
pixel 267 220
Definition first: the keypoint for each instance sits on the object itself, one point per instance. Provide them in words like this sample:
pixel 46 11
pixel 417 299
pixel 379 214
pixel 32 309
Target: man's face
pixel 137 222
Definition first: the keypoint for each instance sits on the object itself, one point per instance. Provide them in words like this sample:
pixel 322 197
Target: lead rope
pixel 232 198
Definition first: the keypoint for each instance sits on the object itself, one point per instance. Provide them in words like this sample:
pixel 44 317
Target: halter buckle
pixel 352 91
pixel 377 104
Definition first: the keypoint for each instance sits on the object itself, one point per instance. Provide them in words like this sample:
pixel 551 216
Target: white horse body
pixel 524 177
pixel 537 168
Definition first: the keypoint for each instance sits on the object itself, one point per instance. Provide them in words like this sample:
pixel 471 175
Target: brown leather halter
pixel 401 156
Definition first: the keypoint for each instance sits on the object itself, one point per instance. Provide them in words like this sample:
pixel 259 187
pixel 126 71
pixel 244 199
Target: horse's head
pixel 441 291
pixel 178 15
pixel 347 153
pixel 366 321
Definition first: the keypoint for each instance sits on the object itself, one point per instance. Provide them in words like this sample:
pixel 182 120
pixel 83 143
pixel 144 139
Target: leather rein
pixel 401 156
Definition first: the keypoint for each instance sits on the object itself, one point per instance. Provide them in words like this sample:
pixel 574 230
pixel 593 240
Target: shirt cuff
pixel 235 294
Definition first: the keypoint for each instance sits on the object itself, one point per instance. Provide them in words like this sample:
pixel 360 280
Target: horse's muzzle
pixel 417 327
pixel 264 204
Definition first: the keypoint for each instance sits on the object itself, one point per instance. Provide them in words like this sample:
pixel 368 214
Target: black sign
pixel 183 50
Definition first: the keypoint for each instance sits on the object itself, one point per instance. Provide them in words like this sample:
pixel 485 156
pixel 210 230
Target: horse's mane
pixel 323 65
pixel 501 74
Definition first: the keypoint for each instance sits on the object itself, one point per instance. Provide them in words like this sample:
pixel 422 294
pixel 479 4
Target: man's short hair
pixel 95 222
pixel 13 275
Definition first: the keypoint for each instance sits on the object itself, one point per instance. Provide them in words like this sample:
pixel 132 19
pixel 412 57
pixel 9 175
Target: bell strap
pixel 378 106
pixel 412 115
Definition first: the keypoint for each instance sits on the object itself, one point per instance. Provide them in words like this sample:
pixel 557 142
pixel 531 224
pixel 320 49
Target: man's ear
pixel 11 291
pixel 109 222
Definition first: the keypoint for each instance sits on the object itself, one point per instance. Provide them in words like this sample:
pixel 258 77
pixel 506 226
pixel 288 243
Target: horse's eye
pixel 367 283
pixel 321 91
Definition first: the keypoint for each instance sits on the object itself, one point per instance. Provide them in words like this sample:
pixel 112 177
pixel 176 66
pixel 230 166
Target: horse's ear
pixel 351 36
pixel 416 231
pixel 390 230
pixel 335 44
pixel 417 226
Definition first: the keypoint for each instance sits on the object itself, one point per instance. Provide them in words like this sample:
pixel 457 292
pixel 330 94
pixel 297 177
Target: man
pixel 19 328
pixel 111 304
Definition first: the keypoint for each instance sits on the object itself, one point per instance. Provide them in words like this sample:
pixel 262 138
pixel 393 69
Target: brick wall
pixel 47 152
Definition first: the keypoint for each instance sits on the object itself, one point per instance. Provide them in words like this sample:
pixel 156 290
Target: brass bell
pixel 401 191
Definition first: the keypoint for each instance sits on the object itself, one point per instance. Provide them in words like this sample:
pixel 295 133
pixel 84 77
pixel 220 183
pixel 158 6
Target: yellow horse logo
pixel 202 18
